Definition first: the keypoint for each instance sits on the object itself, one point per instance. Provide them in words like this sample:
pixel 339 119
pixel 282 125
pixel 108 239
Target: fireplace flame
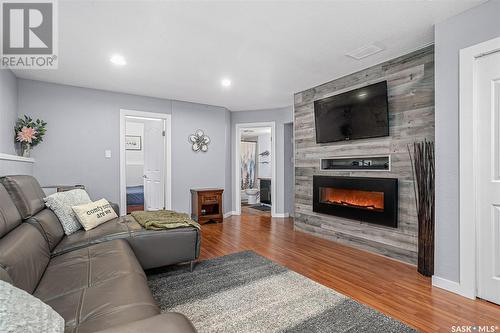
pixel 369 200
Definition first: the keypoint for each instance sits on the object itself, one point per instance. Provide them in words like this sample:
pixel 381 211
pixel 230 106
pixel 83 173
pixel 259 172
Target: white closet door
pixel 488 178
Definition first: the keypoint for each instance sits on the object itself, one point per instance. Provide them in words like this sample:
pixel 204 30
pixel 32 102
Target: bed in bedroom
pixel 135 198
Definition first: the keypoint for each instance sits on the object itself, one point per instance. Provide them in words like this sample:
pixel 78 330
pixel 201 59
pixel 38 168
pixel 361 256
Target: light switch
pixel 107 153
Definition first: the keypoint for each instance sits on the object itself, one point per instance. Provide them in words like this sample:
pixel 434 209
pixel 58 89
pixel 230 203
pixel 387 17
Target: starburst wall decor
pixel 199 141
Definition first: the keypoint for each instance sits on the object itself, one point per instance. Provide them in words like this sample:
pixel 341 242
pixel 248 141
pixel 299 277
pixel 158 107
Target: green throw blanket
pixel 164 219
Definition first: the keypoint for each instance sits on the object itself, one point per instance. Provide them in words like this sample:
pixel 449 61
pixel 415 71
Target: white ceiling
pixel 270 50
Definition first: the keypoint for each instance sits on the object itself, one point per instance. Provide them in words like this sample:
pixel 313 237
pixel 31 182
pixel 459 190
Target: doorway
pixel 480 171
pixel 255 169
pixel 145 167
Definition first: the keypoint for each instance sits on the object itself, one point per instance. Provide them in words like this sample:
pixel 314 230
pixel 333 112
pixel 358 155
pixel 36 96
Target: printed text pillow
pixel 92 214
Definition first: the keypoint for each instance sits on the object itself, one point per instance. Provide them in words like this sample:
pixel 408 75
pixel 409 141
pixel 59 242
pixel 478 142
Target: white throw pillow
pixel 22 312
pixel 61 204
pixel 92 214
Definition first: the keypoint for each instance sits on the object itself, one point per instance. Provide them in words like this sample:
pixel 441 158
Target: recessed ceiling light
pixel 226 83
pixel 118 60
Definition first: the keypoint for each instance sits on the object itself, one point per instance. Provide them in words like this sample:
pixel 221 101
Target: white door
pixel 488 178
pixel 154 164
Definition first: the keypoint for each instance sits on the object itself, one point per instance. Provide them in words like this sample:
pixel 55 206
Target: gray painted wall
pixel 280 116
pixel 228 192
pixel 8 117
pixel 469 28
pixel 82 123
pixel 289 167
pixel 8 111
pixel 191 169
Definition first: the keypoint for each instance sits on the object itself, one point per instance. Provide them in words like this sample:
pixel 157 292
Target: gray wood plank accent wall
pixel 410 80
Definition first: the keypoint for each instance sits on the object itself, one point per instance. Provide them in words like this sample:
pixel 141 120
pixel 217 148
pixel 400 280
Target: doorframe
pixel 237 167
pixel 124 113
pixel 467 285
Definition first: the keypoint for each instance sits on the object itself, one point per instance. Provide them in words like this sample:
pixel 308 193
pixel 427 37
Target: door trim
pixel 168 155
pixel 237 169
pixel 467 285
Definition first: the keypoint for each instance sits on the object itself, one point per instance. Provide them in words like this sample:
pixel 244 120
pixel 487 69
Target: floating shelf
pixel 16 158
pixel 357 163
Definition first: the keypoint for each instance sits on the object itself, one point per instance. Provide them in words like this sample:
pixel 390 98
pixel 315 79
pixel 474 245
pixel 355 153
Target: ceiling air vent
pixel 364 51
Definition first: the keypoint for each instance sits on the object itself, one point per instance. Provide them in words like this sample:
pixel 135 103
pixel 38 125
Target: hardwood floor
pixel 389 286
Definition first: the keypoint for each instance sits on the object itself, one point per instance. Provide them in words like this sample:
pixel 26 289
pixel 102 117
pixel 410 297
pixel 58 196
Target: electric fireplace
pixel 373 200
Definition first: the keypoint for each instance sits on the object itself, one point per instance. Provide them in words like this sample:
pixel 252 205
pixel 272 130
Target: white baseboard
pixel 451 286
pixel 229 214
pixel 279 215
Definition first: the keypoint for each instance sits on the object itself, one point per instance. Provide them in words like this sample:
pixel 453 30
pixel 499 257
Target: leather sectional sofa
pixel 94 279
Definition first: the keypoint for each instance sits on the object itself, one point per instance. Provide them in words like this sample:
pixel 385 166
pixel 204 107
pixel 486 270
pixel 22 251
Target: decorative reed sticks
pixel 423 173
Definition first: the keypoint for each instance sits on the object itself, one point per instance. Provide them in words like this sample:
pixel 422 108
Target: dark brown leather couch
pixel 94 280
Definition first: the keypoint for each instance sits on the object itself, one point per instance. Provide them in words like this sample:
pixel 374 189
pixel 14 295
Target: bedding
pixel 164 219
pixel 135 195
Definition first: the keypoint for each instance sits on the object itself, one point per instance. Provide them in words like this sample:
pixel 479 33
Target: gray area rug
pixel 245 292
pixel 261 208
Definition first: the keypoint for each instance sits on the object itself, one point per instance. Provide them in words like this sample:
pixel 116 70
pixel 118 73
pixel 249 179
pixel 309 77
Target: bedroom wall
pixel 134 159
pixel 82 123
pixel 474 26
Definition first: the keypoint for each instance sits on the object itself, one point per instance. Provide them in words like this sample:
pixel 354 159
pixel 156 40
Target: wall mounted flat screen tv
pixel 356 114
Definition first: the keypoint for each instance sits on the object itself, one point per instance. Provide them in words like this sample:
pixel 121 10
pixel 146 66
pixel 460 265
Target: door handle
pixel 145 177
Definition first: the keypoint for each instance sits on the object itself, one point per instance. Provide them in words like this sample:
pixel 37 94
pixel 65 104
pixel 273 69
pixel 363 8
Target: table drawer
pixel 209 198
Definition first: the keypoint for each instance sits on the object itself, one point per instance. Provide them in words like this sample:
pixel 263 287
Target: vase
pixel 425 263
pixel 26 150
pixel 422 163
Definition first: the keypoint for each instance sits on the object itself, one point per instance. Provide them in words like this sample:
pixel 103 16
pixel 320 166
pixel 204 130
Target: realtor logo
pixel 28 34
